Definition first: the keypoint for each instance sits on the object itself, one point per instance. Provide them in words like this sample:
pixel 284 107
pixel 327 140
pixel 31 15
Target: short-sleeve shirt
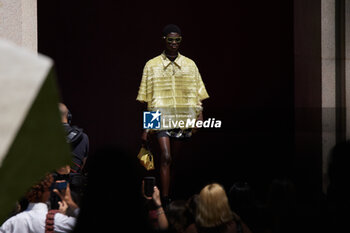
pixel 33 220
pixel 175 88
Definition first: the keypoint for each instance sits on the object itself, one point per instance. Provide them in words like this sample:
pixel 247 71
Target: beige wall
pixel 329 77
pixel 328 84
pixel 18 22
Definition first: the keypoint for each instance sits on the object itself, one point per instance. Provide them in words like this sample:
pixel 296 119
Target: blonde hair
pixel 213 208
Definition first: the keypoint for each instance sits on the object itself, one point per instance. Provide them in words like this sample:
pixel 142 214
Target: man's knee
pixel 166 159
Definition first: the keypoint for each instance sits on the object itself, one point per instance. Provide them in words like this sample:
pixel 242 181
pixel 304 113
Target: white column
pixel 347 67
pixel 18 22
pixel 328 84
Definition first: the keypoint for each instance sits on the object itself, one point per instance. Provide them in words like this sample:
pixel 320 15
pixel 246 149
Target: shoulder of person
pixel 191 228
pixel 188 62
pixel 64 223
pixel 62 218
pixel 245 228
pixel 17 220
pixel 234 226
pixel 85 136
pixel 154 61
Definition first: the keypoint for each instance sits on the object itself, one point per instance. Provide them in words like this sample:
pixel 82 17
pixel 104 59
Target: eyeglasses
pixel 172 39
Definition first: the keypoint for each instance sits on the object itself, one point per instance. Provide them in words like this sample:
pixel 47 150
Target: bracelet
pixel 159 206
pixel 160 212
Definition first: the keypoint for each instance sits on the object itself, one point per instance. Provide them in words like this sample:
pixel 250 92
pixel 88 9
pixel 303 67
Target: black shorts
pixel 175 133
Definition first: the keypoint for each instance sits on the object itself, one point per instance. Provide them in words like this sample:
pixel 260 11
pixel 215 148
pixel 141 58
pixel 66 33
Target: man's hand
pixel 66 196
pixel 144 137
pixel 63 206
pixel 155 196
pixel 199 118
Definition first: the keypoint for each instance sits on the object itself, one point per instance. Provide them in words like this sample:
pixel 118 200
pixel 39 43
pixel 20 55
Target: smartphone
pixel 54 198
pixel 60 185
pixel 149 183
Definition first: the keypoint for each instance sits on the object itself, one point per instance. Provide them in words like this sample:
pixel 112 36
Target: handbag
pixel 146 158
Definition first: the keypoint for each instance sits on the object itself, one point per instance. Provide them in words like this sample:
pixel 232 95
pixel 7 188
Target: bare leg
pixel 165 160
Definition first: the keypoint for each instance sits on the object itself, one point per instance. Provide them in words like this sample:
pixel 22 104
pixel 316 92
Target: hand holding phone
pixel 60 185
pixel 149 183
pixel 65 195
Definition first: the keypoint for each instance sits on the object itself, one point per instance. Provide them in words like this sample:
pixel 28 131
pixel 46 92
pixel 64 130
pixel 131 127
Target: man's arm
pixel 199 118
pixel 86 152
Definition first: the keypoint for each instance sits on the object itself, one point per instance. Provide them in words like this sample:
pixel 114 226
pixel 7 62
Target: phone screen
pixel 149 183
pixel 61 185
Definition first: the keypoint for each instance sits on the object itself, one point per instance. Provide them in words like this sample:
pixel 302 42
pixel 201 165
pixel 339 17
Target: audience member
pixel 59 176
pixel 243 203
pixel 62 178
pixel 157 215
pixel 78 140
pixel 214 214
pixel 179 216
pixel 192 203
pixel 241 198
pixel 37 217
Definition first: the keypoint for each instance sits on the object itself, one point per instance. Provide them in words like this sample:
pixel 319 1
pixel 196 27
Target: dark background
pixel 244 52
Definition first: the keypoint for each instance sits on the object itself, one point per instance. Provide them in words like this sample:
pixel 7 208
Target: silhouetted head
pixel 241 196
pixel 213 208
pixel 178 216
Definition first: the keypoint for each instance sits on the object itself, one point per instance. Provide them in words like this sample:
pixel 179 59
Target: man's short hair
pixel 171 28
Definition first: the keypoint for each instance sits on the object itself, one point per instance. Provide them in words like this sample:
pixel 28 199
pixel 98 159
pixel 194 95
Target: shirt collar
pixel 37 206
pixel 166 61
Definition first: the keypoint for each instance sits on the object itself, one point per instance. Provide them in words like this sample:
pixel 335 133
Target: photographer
pixel 79 142
pixel 37 217
pixel 62 179
pixel 67 202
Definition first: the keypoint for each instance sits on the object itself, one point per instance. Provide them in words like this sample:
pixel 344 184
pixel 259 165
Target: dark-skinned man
pixel 172 85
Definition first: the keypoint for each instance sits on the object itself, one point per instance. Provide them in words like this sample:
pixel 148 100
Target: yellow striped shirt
pixel 174 88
